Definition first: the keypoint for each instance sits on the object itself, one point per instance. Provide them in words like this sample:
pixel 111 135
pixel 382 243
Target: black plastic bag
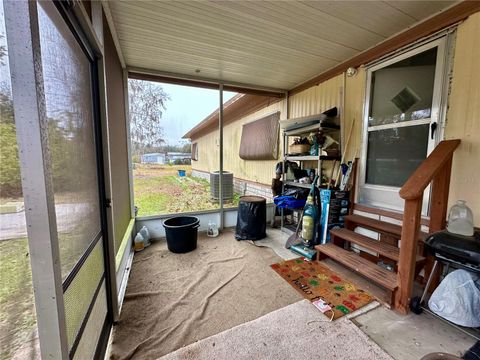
pixel 251 218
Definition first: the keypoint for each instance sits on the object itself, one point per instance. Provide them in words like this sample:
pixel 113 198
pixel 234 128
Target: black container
pixel 252 218
pixel 181 233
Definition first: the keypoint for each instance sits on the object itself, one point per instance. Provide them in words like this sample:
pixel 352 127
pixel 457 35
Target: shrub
pixel 136 159
pixel 10 181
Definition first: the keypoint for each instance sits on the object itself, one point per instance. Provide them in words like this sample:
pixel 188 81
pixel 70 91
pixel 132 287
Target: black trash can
pixel 251 218
pixel 181 233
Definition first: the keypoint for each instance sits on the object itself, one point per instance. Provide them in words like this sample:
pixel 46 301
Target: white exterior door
pixel 402 122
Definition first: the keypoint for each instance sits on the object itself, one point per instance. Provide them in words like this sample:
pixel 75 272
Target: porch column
pixel 21 20
pixel 220 129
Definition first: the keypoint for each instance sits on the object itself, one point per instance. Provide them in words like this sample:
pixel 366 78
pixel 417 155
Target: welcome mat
pixel 331 294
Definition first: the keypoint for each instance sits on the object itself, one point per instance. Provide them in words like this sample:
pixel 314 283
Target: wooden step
pixel 377 274
pixel 379 247
pixel 379 226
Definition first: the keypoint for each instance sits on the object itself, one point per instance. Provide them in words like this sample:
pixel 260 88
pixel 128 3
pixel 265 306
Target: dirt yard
pixel 158 189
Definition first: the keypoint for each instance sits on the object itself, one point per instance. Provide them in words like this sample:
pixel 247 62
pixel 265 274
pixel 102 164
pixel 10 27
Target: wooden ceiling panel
pixel 273 44
pixel 420 9
pixel 375 16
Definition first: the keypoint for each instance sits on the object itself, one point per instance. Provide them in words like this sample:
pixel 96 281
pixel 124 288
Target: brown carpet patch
pixel 320 285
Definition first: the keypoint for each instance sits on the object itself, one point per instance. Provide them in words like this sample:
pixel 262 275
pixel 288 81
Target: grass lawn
pixel 17 305
pixel 159 190
pixel 17 310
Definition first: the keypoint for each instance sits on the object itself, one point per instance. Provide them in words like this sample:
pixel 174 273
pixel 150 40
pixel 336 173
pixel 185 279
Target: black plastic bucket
pixel 181 233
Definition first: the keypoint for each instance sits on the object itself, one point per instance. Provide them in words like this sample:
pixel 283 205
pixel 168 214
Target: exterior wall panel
pixel 208 152
pixel 463 116
pixel 317 99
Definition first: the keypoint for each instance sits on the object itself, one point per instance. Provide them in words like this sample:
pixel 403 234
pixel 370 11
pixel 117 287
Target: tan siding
pixel 354 107
pixel 463 117
pixel 261 171
pixel 316 99
pixel 208 154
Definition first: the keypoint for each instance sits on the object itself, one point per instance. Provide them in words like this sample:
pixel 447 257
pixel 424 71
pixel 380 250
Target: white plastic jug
pixel 139 244
pixel 460 219
pixel 212 230
pixel 146 236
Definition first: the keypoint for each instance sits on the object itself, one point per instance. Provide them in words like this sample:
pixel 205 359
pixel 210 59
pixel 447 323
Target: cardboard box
pixel 334 206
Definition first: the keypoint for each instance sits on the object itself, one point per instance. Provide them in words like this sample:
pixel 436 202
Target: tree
pixel 3 50
pixel 10 184
pixel 147 101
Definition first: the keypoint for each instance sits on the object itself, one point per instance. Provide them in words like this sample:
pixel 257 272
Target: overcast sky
pixel 4 66
pixel 186 108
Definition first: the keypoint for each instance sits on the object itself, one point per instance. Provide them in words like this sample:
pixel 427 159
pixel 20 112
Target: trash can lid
pixel 252 199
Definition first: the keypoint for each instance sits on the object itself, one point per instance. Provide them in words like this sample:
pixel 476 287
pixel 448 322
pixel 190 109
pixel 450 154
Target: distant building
pixel 170 157
pixel 153 158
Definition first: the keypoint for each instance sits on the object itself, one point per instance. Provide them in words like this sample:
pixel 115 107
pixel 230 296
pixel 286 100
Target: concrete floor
pixel 403 337
pixel 412 336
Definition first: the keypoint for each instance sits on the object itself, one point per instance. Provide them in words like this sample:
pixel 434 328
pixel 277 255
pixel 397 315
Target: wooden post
pixel 354 185
pixel 439 201
pixel 438 215
pixel 435 168
pixel 408 252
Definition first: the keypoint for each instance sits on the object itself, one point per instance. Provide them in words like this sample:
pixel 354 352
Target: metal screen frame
pixel 21 21
pixel 23 38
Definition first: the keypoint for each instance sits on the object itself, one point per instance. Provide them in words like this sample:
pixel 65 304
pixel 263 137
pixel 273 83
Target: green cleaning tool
pixel 309 221
pixel 310 217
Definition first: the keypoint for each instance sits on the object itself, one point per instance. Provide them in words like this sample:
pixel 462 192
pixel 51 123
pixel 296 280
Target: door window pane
pixel 403 91
pixel 68 94
pixel 394 154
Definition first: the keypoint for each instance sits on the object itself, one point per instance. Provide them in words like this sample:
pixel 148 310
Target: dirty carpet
pixel 173 300
pixel 295 332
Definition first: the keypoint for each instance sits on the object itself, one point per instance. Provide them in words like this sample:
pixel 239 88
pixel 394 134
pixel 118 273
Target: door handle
pixel 433 127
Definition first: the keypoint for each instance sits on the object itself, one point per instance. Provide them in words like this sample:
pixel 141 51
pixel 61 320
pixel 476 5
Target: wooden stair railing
pixel 435 169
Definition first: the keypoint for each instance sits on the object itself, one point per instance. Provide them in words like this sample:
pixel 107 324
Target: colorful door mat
pixel 328 292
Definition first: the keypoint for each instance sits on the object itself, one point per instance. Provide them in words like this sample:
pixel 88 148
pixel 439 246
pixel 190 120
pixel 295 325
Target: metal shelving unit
pixel 310 157
pixel 312 124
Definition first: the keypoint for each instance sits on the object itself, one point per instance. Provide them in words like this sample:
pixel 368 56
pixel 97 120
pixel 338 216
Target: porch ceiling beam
pixel 431 25
pixel 113 32
pixel 173 78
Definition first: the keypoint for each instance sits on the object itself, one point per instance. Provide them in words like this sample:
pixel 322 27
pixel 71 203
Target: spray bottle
pixel 310 215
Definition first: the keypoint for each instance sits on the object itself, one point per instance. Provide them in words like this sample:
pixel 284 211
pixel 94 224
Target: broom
pixel 337 179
